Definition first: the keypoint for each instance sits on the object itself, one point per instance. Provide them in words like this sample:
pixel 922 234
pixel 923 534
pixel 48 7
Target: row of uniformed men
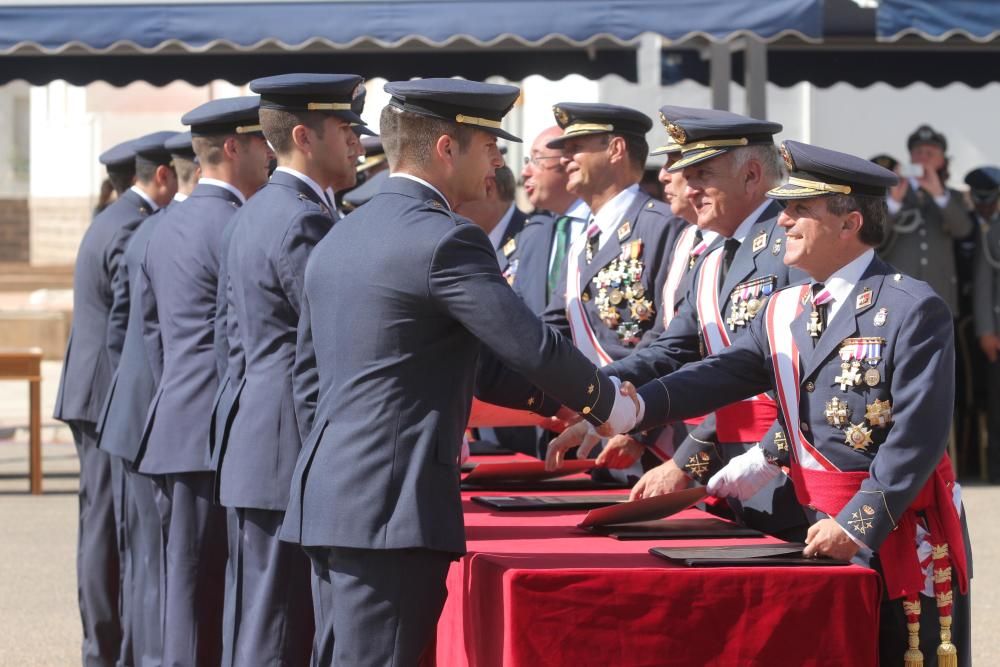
pixel 362 507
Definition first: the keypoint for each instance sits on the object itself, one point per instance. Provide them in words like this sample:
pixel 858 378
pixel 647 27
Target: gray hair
pixel 768 157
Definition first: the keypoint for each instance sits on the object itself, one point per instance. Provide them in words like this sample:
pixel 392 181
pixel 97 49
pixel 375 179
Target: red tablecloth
pixel 535 591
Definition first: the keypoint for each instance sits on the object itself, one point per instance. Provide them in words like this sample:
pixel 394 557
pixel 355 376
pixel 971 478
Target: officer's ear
pixel 446 147
pixel 852 223
pixel 301 138
pixel 231 147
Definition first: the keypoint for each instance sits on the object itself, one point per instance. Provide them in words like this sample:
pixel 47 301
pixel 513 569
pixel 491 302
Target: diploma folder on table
pixel 788 554
pixel 645 509
pixel 523 471
pixel 544 485
pixel 676 529
pixel 494 416
pixel 548 503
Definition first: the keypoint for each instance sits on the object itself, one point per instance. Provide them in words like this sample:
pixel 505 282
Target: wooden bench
pixel 26 364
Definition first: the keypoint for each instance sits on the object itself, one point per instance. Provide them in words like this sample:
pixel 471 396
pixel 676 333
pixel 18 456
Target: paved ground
pixel 39 623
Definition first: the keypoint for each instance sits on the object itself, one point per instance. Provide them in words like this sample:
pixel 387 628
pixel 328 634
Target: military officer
pixel 86 375
pixel 730 162
pixel 862 361
pixel 308 118
pixel 984 184
pixel 179 273
pixel 925 217
pixel 120 430
pixel 375 495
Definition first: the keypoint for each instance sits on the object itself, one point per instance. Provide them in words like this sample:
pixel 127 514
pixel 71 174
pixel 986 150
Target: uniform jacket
pixel 917 378
pixel 87 368
pixel 133 385
pixel 527 263
pixel 650 223
pixel 394 381
pixel 180 274
pixel 986 286
pixel 271 241
pixel 919 241
pixel 514 227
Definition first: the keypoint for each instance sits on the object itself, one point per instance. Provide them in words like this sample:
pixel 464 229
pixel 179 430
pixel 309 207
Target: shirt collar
pixel 579 210
pixel 146 198
pixel 741 232
pixel 424 183
pixel 496 234
pixel 179 197
pixel 843 281
pixel 611 213
pixel 225 186
pixel 308 181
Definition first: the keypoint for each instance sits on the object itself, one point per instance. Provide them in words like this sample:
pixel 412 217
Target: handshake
pixel 627 411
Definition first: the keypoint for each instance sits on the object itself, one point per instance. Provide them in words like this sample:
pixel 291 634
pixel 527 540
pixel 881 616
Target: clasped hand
pixel 625 414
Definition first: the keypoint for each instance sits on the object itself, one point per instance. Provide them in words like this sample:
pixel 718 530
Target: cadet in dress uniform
pixel 984 187
pixel 730 162
pixel 178 299
pixel 308 118
pixel 120 429
pixel 375 495
pixel 86 376
pixel 372 169
pixel 926 218
pixel 862 360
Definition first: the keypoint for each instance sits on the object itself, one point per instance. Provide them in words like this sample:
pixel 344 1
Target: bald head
pixel 544 177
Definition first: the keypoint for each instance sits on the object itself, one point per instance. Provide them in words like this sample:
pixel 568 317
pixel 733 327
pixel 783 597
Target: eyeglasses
pixel 536 160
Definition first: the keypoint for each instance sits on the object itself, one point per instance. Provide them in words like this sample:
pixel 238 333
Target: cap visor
pixel 665 150
pixel 559 141
pixel 695 157
pixel 789 191
pixel 363 130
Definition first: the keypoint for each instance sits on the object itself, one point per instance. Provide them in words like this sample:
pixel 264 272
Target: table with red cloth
pixel 534 590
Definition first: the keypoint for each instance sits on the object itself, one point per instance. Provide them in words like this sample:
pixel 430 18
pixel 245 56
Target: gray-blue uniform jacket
pixel 527 262
pixel 917 378
pixel 133 385
pixel 647 221
pixel 271 241
pixel 514 226
pixel 681 343
pixel 180 274
pixel 394 378
pixel 87 369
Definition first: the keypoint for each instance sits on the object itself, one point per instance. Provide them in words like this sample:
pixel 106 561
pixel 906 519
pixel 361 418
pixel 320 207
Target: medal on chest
pixel 620 294
pixel 747 299
pixel 859 358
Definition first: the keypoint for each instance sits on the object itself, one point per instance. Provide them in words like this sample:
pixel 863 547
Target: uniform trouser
pixel 145 622
pixel 381 605
pixel 268 619
pixel 193 534
pixel 993 421
pixel 120 502
pixel 774 509
pixel 97 561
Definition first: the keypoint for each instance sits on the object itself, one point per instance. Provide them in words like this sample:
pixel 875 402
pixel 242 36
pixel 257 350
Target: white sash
pixel 782 309
pixel 678 266
pixel 584 336
pixel 710 318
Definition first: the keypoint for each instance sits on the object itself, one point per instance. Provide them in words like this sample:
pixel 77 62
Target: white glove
pixel 624 413
pixel 743 476
pixel 463 455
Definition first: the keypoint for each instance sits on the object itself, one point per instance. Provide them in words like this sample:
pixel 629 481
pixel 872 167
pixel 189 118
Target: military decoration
pixel 858 436
pixel 879 413
pixel 759 242
pixel 855 353
pixel 619 284
pixel 698 464
pixel 838 413
pixel 747 299
pixel 509 247
pixel 511 272
pixel 561 116
pixel 776 248
pixel 880 316
pixel 676 133
pixel 787 157
pixel 864 299
pixel 780 442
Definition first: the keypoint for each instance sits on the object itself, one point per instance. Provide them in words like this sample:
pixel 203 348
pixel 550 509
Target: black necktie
pixel 817 318
pixel 728 252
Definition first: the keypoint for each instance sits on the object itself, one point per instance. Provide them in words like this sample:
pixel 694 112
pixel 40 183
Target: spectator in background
pixel 984 187
pixel 925 217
